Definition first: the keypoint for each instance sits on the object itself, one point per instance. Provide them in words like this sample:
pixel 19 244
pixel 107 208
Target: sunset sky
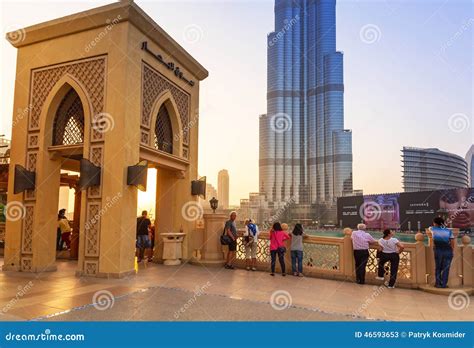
pixel 411 86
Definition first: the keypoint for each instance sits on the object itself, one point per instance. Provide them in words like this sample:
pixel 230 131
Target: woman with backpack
pixel 251 245
pixel 277 247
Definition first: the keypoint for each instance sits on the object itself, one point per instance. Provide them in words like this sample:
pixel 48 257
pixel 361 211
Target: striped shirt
pixel 361 240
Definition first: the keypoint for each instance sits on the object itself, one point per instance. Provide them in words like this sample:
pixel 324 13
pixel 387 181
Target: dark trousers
pixel 361 257
pixel 59 241
pixel 281 259
pixel 443 258
pixel 394 260
pixel 297 257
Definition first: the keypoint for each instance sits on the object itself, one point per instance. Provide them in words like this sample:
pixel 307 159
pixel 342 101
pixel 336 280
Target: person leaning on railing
pixel 277 247
pixel 231 231
pixel 361 242
pixel 444 244
pixel 391 248
pixel 251 244
pixel 297 250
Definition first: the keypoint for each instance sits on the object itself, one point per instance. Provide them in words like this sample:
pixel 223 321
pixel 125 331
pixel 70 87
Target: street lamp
pixel 214 203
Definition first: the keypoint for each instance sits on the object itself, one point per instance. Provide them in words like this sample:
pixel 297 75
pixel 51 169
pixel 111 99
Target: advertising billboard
pixel 417 209
pixel 409 211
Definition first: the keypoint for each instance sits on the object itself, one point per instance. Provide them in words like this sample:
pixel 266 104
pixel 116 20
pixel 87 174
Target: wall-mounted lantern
pixel 198 187
pixel 137 175
pixel 24 179
pixel 89 174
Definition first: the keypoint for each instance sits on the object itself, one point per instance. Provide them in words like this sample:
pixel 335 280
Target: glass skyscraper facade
pixel 305 152
pixel 432 169
pixel 470 165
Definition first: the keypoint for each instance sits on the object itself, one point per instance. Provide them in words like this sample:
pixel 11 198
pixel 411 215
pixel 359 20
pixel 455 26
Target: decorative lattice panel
pixel 68 127
pixel 26 264
pixel 91 74
pixel 91 267
pixel 33 141
pixel 27 233
pixel 263 250
pixel 322 256
pixel 163 131
pixel 404 267
pixel 152 86
pixel 92 230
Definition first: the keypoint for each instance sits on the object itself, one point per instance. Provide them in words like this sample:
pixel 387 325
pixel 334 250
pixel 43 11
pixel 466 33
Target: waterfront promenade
pixel 190 292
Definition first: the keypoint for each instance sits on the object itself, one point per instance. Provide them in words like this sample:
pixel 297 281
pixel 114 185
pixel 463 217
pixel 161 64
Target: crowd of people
pixel 278 237
pixel 388 249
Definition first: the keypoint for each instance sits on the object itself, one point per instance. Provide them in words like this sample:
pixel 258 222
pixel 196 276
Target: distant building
pixel 305 153
pixel 255 207
pixel 470 165
pixel 210 191
pixel 244 210
pixel 432 169
pixel 223 188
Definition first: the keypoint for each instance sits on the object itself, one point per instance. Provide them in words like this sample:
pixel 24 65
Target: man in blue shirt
pixel 444 244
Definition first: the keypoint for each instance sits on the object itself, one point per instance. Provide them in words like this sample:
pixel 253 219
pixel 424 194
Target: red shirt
pixel 277 239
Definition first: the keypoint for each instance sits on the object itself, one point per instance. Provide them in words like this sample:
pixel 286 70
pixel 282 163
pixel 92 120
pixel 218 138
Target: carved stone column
pixel 212 254
pixel 74 253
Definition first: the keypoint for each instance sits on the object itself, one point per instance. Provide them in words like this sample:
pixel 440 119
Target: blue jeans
pixel 443 258
pixel 297 255
pixel 281 259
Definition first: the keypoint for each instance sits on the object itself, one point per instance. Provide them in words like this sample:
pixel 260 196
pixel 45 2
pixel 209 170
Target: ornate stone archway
pixel 151 87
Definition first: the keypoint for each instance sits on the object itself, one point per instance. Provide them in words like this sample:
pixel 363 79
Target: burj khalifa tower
pixel 305 153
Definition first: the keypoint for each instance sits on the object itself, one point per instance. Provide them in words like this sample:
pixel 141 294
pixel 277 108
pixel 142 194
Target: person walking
pixel 143 235
pixel 59 241
pixel 251 244
pixel 297 250
pixel 444 244
pixel 361 241
pixel 231 230
pixel 152 241
pixel 64 229
pixel 277 247
pixel 391 248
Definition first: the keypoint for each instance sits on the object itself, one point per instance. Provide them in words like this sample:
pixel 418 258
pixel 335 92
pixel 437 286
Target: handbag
pixel 225 239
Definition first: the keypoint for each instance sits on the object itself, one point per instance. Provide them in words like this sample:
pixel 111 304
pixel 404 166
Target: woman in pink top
pixel 277 247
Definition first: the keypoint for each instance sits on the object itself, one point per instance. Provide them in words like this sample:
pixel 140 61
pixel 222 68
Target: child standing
pixel 297 250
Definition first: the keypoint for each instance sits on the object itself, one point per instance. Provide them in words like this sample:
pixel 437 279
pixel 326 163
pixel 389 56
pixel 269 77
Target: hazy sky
pixel 408 78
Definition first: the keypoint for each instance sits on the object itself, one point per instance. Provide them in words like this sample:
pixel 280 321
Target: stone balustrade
pixel 332 258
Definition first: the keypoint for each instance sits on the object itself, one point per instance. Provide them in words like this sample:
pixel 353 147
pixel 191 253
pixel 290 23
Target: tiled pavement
pixel 190 292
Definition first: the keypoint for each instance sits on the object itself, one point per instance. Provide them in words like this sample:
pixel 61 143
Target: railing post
pixel 455 271
pixel 347 258
pixel 420 271
pixel 467 269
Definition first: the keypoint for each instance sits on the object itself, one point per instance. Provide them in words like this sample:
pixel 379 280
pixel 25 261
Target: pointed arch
pixel 165 106
pixel 68 93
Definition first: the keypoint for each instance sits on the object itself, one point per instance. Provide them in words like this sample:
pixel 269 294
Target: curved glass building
pixel 432 169
pixel 305 152
pixel 470 165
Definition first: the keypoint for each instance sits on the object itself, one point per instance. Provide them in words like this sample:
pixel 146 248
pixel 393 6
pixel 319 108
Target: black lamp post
pixel 214 203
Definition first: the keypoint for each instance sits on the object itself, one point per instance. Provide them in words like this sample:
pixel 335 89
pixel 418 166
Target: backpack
pixel 252 228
